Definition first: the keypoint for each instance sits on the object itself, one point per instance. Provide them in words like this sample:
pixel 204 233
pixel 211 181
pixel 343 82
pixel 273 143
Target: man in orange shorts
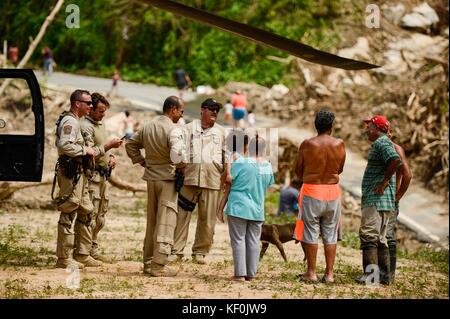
pixel 320 161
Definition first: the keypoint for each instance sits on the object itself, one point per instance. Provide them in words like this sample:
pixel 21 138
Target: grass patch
pixel 282 219
pixel 350 240
pixel 42 235
pixel 271 203
pixel 13 253
pixel 438 259
pixel 14 289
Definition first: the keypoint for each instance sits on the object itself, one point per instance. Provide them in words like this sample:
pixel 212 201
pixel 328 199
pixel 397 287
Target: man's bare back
pixel 320 160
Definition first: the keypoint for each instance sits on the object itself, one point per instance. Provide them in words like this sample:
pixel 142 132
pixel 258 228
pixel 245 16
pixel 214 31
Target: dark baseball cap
pixel 211 103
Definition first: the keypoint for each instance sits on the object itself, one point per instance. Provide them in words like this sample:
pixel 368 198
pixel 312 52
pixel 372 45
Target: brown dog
pixel 276 235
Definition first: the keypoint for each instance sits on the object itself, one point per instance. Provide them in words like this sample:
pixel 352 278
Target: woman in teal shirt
pixel 244 200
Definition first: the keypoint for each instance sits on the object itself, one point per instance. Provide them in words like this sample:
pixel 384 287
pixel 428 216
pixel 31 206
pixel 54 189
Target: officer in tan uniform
pixel 73 198
pixel 164 152
pixel 202 183
pixel 94 134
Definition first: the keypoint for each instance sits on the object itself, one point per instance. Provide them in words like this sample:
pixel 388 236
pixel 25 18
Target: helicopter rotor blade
pixel 273 40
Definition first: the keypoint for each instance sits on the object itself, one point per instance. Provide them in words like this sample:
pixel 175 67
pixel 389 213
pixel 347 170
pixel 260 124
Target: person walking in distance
pixel 320 161
pixel 239 102
pixel 183 81
pixel 164 152
pixel 128 125
pixel 47 61
pixel 115 84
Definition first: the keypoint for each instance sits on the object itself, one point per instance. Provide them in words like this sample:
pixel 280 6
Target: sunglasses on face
pixel 87 102
pixel 213 108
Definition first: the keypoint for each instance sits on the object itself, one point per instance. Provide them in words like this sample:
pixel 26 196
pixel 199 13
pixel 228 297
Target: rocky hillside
pixel 410 87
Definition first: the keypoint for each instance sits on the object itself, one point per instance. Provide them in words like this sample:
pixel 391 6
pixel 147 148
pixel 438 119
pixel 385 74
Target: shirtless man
pixel 320 161
pixel 403 178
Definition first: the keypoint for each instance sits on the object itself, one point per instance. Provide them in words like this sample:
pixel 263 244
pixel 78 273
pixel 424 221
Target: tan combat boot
pixel 102 258
pixel 97 256
pixel 87 261
pixel 163 272
pixel 175 258
pixel 68 263
pixel 199 259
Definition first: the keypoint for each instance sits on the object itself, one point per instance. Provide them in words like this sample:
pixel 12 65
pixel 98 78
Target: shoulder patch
pixel 67 129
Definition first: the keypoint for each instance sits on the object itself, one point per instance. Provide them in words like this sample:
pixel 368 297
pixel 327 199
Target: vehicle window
pixel 16 113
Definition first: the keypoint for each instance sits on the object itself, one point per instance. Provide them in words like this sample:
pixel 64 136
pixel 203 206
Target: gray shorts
pixel 320 217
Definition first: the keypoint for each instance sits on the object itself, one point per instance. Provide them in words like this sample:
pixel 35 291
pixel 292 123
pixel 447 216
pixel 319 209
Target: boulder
pixel 422 17
pixel 394 13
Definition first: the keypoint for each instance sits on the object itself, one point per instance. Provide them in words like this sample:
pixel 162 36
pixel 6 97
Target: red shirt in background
pixel 239 101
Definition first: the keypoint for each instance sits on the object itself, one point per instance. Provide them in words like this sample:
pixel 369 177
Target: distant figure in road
pixel 128 125
pixel 378 200
pixel 403 178
pixel 115 84
pixel 320 161
pixel 47 61
pixel 183 81
pixel 251 118
pixel 228 112
pixel 239 102
pixel 289 198
pixel 13 53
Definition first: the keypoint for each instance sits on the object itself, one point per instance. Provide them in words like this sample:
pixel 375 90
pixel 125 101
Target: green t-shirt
pixel 381 154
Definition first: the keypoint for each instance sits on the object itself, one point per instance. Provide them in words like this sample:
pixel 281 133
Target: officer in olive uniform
pixel 94 134
pixel 206 140
pixel 73 198
pixel 164 152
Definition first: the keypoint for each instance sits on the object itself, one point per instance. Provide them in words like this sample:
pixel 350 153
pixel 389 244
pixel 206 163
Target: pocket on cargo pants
pixel 167 221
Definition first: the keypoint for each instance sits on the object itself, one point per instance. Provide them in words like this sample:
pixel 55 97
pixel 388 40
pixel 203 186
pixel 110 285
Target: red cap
pixel 380 122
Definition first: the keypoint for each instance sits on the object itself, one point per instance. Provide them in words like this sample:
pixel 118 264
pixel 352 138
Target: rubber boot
pixel 393 260
pixel 370 257
pixel 384 264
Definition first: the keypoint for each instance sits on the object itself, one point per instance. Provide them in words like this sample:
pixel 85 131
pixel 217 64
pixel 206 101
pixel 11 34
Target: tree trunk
pixel 35 42
pixel 7 189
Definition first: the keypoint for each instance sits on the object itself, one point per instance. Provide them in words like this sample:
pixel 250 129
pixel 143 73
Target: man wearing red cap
pixel 403 178
pixel 378 200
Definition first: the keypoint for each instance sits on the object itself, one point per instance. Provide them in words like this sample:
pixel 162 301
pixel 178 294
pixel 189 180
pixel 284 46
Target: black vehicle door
pixel 21 155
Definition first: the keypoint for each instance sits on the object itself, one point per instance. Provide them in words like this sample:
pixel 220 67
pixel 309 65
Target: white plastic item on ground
pixel 321 89
pixel 277 91
pixel 422 17
pixel 360 50
pixel 205 89
pixel 411 52
pixel 394 13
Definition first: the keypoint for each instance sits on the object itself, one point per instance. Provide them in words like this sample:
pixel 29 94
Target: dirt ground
pixel 28 229
pixel 28 242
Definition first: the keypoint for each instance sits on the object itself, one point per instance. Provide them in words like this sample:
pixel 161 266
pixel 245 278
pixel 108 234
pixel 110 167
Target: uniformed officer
pixel 164 146
pixel 73 199
pixel 94 134
pixel 206 140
